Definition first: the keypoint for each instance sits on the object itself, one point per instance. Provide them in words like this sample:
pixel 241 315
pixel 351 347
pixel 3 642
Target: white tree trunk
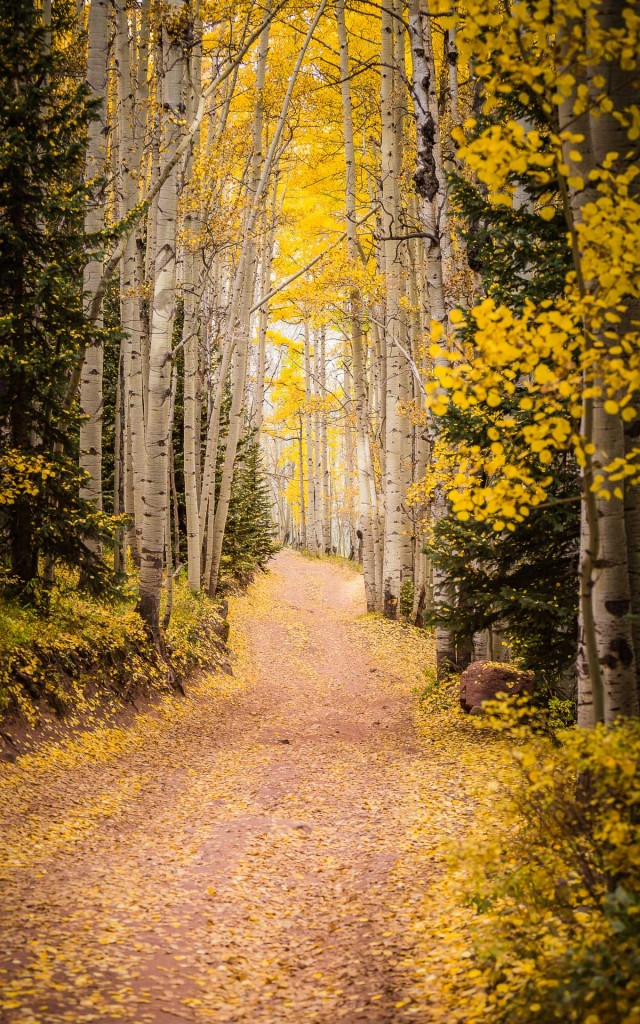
pixel 612 598
pixel 312 511
pixel 263 312
pixel 129 313
pixel 607 680
pixel 156 496
pixel 394 514
pixel 191 341
pixel 318 489
pixel 366 483
pixel 91 377
pixel 327 519
pixel 430 185
pixel 303 512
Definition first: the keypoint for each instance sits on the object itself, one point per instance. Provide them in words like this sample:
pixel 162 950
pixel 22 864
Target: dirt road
pixel 256 852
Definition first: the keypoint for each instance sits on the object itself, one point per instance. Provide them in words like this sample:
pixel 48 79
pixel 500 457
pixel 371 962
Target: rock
pixel 220 628
pixel 483 680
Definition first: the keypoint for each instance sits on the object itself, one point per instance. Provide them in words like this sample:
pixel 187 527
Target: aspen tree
pixel 394 515
pixel 404 340
pixel 95 167
pixel 617 592
pixel 129 311
pixel 350 461
pixel 228 70
pixel 366 483
pixel 608 551
pixel 376 411
pixel 239 322
pixel 324 452
pixel 303 517
pixel 420 444
pixel 156 496
pixel 312 506
pixel 430 185
pixel 191 344
pixel 318 489
pixel 239 314
pixel 119 468
pixel 171 514
pixel 607 683
pixel 268 243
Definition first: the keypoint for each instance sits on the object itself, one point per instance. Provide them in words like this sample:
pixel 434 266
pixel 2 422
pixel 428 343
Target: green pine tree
pixel 522 580
pixel 44 113
pixel 249 536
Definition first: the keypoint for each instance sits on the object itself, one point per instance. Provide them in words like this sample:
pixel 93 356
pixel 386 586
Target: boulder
pixel 483 680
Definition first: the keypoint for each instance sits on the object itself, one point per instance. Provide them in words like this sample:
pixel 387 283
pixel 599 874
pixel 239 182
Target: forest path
pixel 257 852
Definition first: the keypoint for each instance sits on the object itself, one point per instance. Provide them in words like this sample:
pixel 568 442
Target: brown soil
pixel 253 854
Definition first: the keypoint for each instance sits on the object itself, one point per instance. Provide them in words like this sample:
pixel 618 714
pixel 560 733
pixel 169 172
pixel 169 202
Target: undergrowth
pixel 83 651
pixel 536 916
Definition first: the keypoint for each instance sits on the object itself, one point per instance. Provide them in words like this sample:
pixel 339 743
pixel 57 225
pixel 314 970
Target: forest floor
pixel 259 852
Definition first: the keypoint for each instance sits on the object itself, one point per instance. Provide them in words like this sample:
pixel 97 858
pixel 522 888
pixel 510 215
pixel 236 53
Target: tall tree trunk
pixel 366 483
pixel 129 318
pixel 324 450
pixel 241 288
pixel 303 515
pixel 91 402
pixel 612 597
pixel 394 515
pixel 312 512
pixel 318 489
pixel 156 496
pixel 192 343
pixel 607 674
pixel 171 491
pixel 119 470
pixel 263 312
pixel 429 181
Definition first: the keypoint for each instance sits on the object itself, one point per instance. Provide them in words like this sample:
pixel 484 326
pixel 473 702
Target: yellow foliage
pixel 536 914
pixel 551 358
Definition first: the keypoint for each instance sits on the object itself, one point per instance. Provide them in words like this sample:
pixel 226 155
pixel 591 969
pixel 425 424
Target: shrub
pixel 556 885
pixel 85 651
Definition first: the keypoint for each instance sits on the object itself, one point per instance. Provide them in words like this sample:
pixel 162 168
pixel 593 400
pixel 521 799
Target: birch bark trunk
pixel 239 323
pixel 95 166
pixel 607 679
pixel 303 515
pixel 318 487
pixel 394 515
pixel 191 342
pixel 312 517
pixel 156 496
pixel 169 547
pixel 327 518
pixel 263 312
pixel 327 515
pixel 129 313
pixel 429 181
pixel 366 483
pixel 613 600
